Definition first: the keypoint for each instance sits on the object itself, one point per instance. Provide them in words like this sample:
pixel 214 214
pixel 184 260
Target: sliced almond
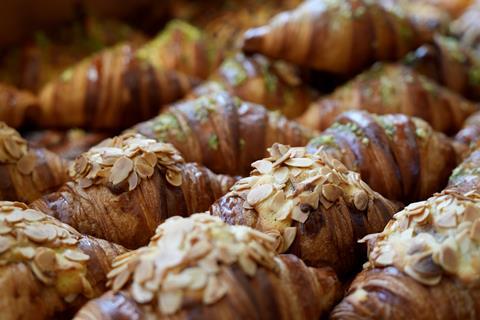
pixel 33 215
pixel 132 181
pixel 120 170
pixel 4 229
pixel 5 244
pixel 143 168
pixel 475 231
pixel 289 235
pixel 15 216
pixel 120 280
pixel 360 200
pixel 141 294
pixel 26 252
pixel 281 175
pixel 331 192
pixel 75 255
pixel 174 178
pixel 299 162
pixel 263 166
pixel 45 259
pixel 299 215
pixel 447 220
pixel 170 301
pixel 214 290
pixel 144 271
pixel 259 193
pixel 27 163
pixel 12 148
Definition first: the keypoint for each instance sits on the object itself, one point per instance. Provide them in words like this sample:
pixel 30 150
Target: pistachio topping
pixel 290 184
pixel 14 150
pixel 128 158
pixel 433 238
pixel 47 246
pixel 185 260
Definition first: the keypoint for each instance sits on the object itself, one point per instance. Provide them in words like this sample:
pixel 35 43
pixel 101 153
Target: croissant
pixel 314 206
pixel 123 188
pixel 322 34
pixel 47 267
pixel 449 63
pixel 67 144
pixel 274 84
pixel 424 265
pixel 393 89
pixel 15 104
pixel 467 27
pixel 113 89
pixel 222 132
pixel 27 173
pixel 201 268
pixel 414 160
pixel 184 48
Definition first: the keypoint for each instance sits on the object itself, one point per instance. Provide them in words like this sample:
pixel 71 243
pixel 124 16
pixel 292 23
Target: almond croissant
pixel 47 267
pixel 222 132
pixel 201 268
pixel 113 89
pixel 274 84
pixel 315 207
pixel 15 104
pixel 393 88
pixel 424 265
pixel 123 188
pixel 27 173
pixel 323 34
pixel 450 64
pixel 414 160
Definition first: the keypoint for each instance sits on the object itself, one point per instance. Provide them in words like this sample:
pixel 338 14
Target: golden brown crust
pixel 449 63
pixel 222 132
pixel 112 89
pixel 124 200
pixel 414 160
pixel 389 88
pixel 15 104
pixel 227 273
pixel 27 173
pixel 311 203
pixel 47 267
pixel 324 34
pixel 274 84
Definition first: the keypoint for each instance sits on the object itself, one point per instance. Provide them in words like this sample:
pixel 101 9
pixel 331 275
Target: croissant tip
pixel 253 38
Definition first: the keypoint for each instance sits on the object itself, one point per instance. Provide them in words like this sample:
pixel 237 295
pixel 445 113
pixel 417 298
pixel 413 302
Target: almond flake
pixel 247 264
pixel 15 216
pixel 32 215
pixel 175 179
pixel 143 168
pixel 289 235
pixel 360 200
pixel 299 162
pixel 475 231
pixel 36 234
pixel 26 252
pixel 259 193
pixel 447 220
pixel 5 244
pixel 140 294
pixel 299 215
pixel 45 259
pixel 120 170
pixel 85 183
pixel 170 301
pixel 331 192
pixel 4 229
pixel 448 258
pixel 12 148
pixel 132 181
pixel 77 256
pixel 281 175
pixel 120 280
pixel 214 290
pixel 385 258
pixel 27 163
pixel 263 166
pixel 471 213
